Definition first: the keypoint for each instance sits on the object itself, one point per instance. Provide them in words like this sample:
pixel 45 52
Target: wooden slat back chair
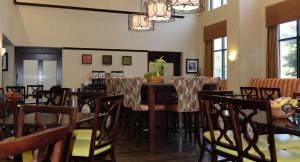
pixel 250 93
pixel 220 134
pixel 104 131
pixel 37 143
pixel 269 93
pixel 17 89
pixel 54 97
pixel 9 108
pixel 46 117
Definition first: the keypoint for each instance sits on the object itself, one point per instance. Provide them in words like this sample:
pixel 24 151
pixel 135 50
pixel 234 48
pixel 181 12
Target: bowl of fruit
pixel 13 96
pixel 284 107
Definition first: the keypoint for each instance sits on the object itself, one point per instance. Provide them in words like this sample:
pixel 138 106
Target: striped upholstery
pixel 223 84
pixel 287 86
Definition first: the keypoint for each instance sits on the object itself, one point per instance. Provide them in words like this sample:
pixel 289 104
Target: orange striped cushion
pixel 223 84
pixel 287 86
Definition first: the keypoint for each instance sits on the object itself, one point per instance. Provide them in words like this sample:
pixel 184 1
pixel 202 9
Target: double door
pixel 38 66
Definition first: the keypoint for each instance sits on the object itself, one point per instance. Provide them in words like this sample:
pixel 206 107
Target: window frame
pixel 222 50
pixel 297 38
pixel 211 4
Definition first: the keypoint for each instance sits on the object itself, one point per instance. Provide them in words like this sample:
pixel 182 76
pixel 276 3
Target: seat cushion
pixel 145 107
pixel 282 156
pixel 286 145
pixel 82 148
pixel 84 134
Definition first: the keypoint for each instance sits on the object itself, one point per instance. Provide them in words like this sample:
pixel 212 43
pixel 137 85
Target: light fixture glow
pixel 232 55
pixel 159 11
pixel 2 51
pixel 188 6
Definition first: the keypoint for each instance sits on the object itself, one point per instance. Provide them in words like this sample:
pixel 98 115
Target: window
pixel 220 58
pixel 213 4
pixel 289 40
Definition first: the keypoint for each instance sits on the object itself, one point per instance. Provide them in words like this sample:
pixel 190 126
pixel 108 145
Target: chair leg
pixel 113 157
pixel 163 128
pixel 202 149
pixel 180 131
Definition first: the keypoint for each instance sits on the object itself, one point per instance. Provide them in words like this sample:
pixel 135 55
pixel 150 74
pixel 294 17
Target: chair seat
pixel 281 155
pixel 282 141
pixel 82 148
pixel 84 134
pixel 145 107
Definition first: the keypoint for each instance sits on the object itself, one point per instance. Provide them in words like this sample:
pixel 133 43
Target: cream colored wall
pixel 74 73
pixel 6 27
pixel 58 27
pixel 247 35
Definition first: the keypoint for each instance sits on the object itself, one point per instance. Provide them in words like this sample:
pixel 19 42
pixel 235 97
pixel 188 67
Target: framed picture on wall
pixel 87 58
pixel 191 66
pixel 5 62
pixel 107 59
pixel 126 60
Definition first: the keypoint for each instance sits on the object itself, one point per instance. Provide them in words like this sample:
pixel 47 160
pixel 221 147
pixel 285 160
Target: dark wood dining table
pixel 156 93
pixel 47 118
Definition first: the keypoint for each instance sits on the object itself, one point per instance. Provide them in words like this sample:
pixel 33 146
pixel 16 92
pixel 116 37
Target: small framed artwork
pixel 5 62
pixel 126 60
pixel 87 58
pixel 191 66
pixel 107 59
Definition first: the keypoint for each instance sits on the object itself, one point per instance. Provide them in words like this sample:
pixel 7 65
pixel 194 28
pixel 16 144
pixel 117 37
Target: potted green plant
pixel 156 75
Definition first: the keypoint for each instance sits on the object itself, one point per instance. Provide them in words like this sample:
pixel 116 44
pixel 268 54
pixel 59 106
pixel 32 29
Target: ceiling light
pixel 188 6
pixel 159 11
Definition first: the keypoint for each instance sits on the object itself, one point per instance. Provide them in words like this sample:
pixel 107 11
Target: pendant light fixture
pixel 159 11
pixel 188 6
pixel 139 22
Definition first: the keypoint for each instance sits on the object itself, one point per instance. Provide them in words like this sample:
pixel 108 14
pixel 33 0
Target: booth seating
pixel 287 86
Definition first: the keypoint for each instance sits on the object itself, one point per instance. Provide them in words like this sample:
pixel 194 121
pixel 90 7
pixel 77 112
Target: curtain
pixel 272 53
pixel 208 60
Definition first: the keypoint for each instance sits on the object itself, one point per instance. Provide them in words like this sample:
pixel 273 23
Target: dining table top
pixel 29 119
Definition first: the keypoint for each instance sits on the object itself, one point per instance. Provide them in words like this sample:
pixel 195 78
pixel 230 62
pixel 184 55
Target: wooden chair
pixel 46 117
pixel 250 93
pixel 103 132
pixel 86 100
pixel 54 97
pixel 31 90
pixel 252 144
pixel 220 134
pixel 36 143
pixel 269 93
pixel 7 109
pixel 296 95
pixel 17 89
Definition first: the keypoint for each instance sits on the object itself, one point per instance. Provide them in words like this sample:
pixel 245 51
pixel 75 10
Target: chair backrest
pixel 37 143
pixel 33 89
pixel 210 87
pixel 107 123
pixel 54 97
pixel 85 100
pixel 269 93
pixel 6 109
pixel 46 117
pixel 248 113
pixel 220 122
pixel 187 91
pixel 250 93
pixel 17 89
pixel 134 89
pixel 296 95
